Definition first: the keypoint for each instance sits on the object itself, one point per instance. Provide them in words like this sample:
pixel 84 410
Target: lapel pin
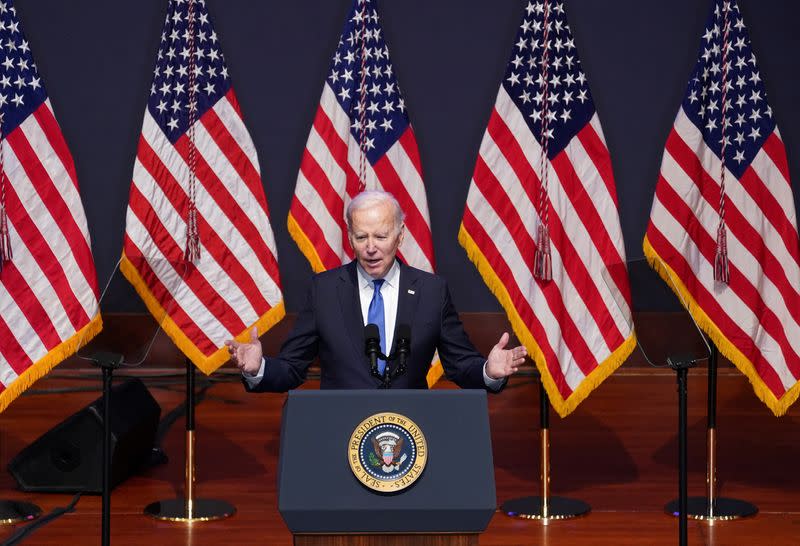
pixel 411 292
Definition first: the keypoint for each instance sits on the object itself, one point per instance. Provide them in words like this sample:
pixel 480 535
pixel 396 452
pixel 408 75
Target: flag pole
pixel 712 507
pixel 545 507
pixel 189 508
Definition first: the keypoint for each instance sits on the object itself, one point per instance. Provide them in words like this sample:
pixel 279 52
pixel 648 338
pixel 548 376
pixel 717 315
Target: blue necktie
pixel 375 316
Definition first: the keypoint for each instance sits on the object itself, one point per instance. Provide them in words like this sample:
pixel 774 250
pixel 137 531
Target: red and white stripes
pixel 328 179
pixel 235 284
pixel 48 304
pixel 578 326
pixel 754 320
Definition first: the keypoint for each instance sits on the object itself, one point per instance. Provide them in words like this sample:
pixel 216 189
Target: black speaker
pixel 69 457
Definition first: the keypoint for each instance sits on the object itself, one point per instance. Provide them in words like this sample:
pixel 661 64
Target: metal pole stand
pixel 190 509
pixel 545 507
pixel 711 507
pixel 681 365
pixel 108 362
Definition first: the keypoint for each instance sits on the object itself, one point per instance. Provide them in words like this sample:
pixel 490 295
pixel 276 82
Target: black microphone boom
pixel 372 347
pixel 403 348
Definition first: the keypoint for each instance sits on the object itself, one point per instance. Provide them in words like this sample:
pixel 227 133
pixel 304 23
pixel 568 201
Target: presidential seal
pixel 387 452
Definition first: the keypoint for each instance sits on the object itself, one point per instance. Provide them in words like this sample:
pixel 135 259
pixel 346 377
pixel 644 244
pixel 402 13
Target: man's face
pixel 375 238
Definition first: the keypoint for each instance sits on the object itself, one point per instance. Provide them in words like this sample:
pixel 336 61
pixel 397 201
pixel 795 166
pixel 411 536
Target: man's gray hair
pixel 370 198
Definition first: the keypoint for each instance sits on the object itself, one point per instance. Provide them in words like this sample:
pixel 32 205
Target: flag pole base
pixel 724 509
pixel 533 508
pixel 13 512
pixel 200 510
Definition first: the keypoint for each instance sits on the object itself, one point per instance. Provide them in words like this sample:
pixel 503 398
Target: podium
pixel 324 503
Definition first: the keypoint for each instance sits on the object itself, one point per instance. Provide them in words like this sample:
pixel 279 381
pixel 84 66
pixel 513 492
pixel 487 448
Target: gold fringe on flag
pixel 562 406
pixel 728 349
pixel 305 245
pixel 206 364
pixel 43 366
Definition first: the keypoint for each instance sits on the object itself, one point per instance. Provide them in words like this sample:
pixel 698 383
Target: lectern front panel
pixel 319 493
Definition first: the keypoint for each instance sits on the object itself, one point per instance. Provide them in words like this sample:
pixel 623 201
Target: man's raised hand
pixel 246 355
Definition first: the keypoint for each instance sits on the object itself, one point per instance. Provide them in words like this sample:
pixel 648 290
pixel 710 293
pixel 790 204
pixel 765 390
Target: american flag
pixel 361 138
pixel 541 222
pixel 212 277
pixel 739 216
pixel 48 303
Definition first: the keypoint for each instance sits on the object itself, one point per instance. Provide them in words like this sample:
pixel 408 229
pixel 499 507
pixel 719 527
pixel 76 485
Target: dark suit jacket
pixel 331 326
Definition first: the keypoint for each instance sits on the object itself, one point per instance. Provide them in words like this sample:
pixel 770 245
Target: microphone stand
pixel 390 374
pixel 400 354
pixel 681 365
pixel 711 507
pixel 385 378
pixel 108 362
pixel 401 366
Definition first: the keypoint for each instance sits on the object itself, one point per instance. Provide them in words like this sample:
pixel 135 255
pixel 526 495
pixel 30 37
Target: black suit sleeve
pixel 288 370
pixel 462 363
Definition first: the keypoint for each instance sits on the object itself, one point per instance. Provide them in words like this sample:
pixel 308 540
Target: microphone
pixel 403 348
pixel 372 346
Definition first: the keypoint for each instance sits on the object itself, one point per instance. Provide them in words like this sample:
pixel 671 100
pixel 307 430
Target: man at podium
pixel 367 306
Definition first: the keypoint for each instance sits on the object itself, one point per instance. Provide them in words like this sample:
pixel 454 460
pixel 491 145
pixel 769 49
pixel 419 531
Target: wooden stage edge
pixel 617 452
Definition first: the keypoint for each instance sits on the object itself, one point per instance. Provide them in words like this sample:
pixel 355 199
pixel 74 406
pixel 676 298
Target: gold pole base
pixel 13 512
pixel 557 508
pixel 202 510
pixel 724 509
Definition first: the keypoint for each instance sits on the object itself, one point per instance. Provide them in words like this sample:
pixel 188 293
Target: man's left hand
pixel 503 362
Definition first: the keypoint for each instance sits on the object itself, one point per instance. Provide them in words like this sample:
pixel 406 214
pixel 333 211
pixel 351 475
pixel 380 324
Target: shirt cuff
pixel 492 384
pixel 254 380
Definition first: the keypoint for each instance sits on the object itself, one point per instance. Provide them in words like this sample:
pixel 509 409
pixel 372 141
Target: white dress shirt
pixel 389 291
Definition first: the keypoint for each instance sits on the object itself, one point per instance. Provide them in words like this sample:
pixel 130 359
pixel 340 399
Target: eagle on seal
pixel 389 451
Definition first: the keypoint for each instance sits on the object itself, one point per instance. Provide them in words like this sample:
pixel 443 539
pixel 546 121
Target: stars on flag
pixel 21 90
pixel 170 91
pixel 384 116
pixel 544 79
pixel 747 118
